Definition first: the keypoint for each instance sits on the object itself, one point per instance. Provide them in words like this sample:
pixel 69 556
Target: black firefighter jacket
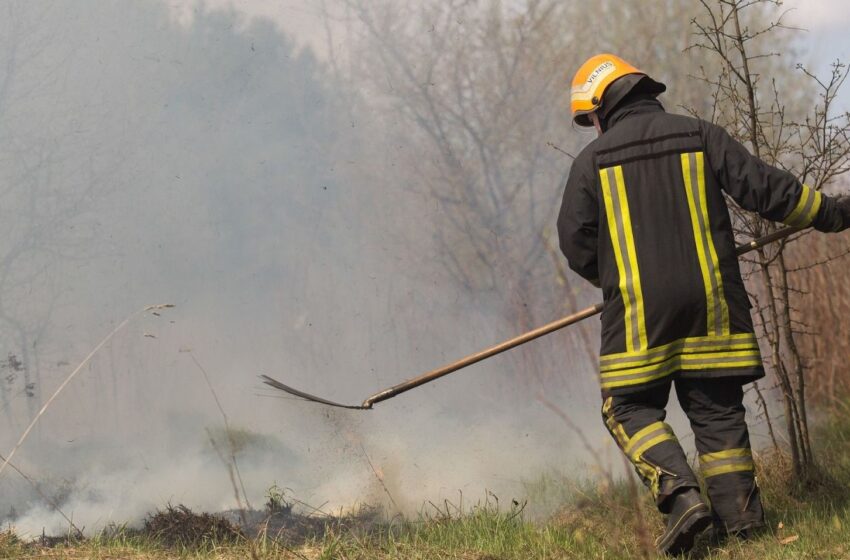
pixel 644 218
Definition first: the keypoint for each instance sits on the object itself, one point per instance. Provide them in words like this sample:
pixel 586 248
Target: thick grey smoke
pixel 214 165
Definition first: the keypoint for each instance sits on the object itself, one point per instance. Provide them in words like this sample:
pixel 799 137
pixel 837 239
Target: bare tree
pixel 482 90
pixel 477 85
pixel 749 103
pixel 39 213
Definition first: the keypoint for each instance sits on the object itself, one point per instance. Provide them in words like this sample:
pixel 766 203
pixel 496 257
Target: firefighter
pixel 644 218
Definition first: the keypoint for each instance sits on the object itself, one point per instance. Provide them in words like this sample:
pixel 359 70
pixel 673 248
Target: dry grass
pixel 808 519
pixel 822 266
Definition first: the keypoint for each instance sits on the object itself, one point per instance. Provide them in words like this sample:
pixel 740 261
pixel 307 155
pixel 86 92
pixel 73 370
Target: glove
pixel 843 204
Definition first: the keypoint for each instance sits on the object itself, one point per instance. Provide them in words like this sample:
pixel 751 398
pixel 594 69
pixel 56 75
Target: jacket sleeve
pixel 758 187
pixel 578 222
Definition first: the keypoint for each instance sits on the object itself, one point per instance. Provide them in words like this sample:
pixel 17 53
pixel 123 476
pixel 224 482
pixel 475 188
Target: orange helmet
pixel 593 79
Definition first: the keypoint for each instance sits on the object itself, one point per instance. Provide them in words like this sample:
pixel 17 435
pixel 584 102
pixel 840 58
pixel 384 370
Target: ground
pixel 807 519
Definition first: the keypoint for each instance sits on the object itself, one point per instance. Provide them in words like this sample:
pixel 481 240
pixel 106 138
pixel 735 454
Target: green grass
pixel 598 520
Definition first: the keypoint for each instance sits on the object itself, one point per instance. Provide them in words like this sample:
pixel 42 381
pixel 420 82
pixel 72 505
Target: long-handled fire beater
pixel 498 348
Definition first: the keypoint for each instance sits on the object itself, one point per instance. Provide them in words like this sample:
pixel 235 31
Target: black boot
pixel 689 516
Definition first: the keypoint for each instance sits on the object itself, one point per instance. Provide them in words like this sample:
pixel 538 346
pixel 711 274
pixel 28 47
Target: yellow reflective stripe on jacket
pixel 647 438
pixel 695 360
pixel 693 172
pixel 739 341
pixel 622 239
pixel 689 361
pixel 806 210
pixel 698 363
pixel 730 460
pixel 689 354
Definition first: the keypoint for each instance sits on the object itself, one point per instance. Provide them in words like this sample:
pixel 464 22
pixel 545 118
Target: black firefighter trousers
pixel 716 413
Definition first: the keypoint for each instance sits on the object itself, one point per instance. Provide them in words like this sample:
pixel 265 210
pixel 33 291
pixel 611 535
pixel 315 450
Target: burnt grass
pixel 295 529
pixel 178 527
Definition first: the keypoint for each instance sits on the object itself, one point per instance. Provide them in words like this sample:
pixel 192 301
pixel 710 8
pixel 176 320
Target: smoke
pixel 211 163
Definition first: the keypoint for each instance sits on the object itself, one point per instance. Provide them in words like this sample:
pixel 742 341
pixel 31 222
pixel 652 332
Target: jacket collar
pixel 636 107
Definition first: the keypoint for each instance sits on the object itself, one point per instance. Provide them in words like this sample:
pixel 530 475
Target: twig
pixel 570 424
pixel 52 503
pixel 73 374
pixel 233 465
pixel 226 427
pixel 763 403
pixel 229 466
pixel 646 546
pixel 380 479
pixel 554 147
pixel 314 509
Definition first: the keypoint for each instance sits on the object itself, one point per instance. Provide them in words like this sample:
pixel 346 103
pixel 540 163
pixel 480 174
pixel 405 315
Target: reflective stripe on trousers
pixel 729 460
pixel 636 446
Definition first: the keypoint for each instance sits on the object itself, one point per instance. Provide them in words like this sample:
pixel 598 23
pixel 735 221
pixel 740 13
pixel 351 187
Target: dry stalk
pixel 74 373
pixel 231 464
pixel 763 404
pixel 230 473
pixel 572 426
pixel 231 443
pixel 647 547
pixel 51 502
pixel 379 477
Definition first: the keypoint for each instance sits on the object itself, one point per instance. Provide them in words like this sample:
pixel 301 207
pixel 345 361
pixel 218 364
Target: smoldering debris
pixel 294 529
pixel 179 526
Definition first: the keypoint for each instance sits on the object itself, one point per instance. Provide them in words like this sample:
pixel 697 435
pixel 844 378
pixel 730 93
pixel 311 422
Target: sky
pixel 825 35
pixel 824 25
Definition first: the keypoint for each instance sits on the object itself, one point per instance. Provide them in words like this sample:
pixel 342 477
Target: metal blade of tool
pixel 429 376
